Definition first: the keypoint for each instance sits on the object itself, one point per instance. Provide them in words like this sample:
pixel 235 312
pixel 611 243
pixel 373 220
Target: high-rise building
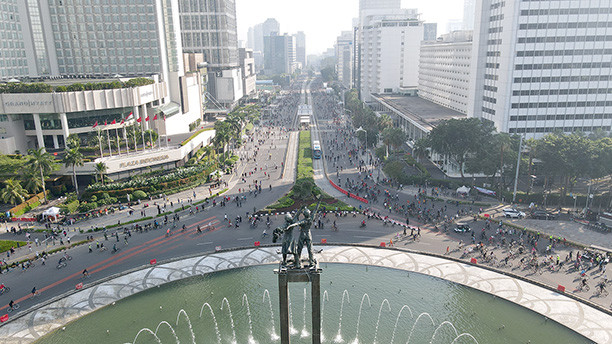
pixel 430 31
pixel 13 59
pixel 255 39
pixel 209 27
pixel 469 10
pixel 542 66
pixel 444 70
pixel 247 66
pixel 390 47
pixel 344 58
pixel 279 54
pixel 270 26
pixel 365 5
pixel 300 48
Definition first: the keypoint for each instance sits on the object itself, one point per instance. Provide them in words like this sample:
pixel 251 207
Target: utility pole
pixel 518 164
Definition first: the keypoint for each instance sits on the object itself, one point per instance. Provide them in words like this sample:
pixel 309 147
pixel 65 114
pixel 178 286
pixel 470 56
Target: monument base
pixel 308 274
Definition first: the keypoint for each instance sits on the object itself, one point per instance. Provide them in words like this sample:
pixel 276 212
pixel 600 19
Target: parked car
pixel 543 215
pixel 462 229
pixel 513 213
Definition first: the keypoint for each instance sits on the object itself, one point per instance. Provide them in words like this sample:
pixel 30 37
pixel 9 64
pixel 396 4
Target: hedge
pixel 27 205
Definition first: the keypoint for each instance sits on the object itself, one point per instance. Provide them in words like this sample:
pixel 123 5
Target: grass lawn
pixel 6 245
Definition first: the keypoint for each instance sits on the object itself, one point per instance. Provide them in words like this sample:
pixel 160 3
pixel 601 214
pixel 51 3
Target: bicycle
pixel 14 308
pixel 5 290
pixel 601 292
pixel 583 287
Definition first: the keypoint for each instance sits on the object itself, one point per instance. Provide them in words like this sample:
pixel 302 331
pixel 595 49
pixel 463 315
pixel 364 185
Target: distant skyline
pixel 323 20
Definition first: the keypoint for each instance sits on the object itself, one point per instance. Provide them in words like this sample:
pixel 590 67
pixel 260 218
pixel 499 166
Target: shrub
pixel 93 198
pixel 89 206
pixel 139 194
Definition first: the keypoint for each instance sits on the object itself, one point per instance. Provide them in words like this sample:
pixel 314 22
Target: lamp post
pixel 366 141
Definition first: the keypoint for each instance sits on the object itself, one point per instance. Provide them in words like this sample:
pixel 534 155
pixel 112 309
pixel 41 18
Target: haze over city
pixel 323 20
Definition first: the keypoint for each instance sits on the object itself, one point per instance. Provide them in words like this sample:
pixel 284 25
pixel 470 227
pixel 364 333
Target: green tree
pixel 384 121
pixel 32 181
pixel 101 170
pixel 393 137
pixel 420 150
pixel 329 74
pixel 458 138
pixel 223 134
pixel 73 141
pixel 73 158
pixel 44 162
pixel 13 192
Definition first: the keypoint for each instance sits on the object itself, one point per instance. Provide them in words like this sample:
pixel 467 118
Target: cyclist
pixel 583 283
pixel 34 292
pixel 602 286
pixel 184 227
pixel 199 230
pixel 2 286
pixel 12 304
pixel 85 273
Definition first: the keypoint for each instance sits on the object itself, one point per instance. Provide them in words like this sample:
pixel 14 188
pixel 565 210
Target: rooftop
pixel 422 111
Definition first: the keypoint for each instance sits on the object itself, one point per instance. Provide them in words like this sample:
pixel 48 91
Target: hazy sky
pixel 322 20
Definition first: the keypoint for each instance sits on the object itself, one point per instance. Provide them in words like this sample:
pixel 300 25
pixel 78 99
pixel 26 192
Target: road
pixel 267 159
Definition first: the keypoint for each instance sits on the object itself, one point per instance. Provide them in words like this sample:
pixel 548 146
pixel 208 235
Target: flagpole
pixel 144 145
pixel 127 144
pixel 118 142
pixel 100 142
pixel 135 139
pixel 110 149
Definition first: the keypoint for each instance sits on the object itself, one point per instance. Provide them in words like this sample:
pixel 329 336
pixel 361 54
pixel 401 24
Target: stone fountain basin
pixel 580 317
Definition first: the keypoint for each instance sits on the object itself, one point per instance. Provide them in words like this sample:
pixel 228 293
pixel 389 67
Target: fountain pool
pixel 360 304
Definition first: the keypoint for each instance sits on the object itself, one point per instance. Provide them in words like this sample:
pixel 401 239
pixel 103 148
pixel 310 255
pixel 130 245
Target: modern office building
pixel 390 47
pixel 300 48
pixel 366 5
pixel 88 44
pixel 469 10
pixel 13 58
pixel 444 70
pixel 430 31
pixel 542 66
pixel 209 27
pixel 344 58
pixel 279 54
pixel 247 66
pixel 255 39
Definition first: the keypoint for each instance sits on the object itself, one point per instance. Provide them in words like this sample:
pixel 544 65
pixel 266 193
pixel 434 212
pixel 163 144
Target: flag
pixel 139 120
pixel 105 123
pixel 114 122
pixel 164 117
pixel 95 124
pixel 130 115
pixel 155 117
pixel 122 121
pixel 147 119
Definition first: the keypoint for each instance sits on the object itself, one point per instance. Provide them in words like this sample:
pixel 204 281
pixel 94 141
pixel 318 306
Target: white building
pixel 247 66
pixel 279 54
pixel 344 58
pixel 444 70
pixel 469 10
pixel 543 66
pixel 300 49
pixel 92 42
pixel 13 59
pixel 390 47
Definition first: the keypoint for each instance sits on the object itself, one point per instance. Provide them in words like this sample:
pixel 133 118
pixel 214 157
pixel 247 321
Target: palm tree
pixel 13 193
pixel 101 169
pixel 73 158
pixel 31 181
pixel 44 162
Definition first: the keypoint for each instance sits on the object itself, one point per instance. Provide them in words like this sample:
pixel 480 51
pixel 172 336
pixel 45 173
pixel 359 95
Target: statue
pixel 288 246
pixel 305 239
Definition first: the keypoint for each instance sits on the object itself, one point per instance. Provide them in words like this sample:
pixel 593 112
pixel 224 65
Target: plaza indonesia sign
pixel 27 103
pixel 144 161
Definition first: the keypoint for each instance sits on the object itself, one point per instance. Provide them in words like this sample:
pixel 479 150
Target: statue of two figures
pixel 291 246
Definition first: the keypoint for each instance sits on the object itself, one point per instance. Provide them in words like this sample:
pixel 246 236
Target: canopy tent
pixel 51 212
pixel 485 191
pixel 463 190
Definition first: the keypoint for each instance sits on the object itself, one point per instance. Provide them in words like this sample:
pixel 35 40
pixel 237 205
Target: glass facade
pixel 13 62
pixel 106 37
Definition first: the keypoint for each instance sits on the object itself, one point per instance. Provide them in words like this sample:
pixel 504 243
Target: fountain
pixel 424 316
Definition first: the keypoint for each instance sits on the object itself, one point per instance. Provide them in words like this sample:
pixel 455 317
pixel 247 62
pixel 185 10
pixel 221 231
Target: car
pixel 462 229
pixel 543 215
pixel 513 213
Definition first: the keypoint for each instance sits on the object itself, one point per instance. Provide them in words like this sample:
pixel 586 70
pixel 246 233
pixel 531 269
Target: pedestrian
pixel 90 250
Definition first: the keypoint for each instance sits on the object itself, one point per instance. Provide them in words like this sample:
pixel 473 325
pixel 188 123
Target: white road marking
pixel 245 238
pixel 205 243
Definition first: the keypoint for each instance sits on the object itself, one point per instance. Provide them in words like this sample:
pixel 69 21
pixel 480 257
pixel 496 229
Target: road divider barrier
pixel 383 244
pixel 153 261
pixel 474 261
pixel 351 195
pixel 79 286
pixel 4 318
pixel 257 243
pixel 323 241
pixel 217 248
pixel 561 288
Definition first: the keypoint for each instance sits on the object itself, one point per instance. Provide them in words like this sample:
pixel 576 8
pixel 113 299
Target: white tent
pixel 51 212
pixel 463 190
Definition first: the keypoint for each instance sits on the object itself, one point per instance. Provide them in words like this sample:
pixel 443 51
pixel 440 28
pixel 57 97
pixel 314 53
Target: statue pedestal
pixel 310 275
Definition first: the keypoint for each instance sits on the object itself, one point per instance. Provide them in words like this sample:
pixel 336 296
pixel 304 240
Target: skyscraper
pixel 542 66
pixel 344 58
pixel 279 54
pixel 390 47
pixel 209 27
pixel 379 4
pixel 300 48
pixel 469 10
pixel 13 59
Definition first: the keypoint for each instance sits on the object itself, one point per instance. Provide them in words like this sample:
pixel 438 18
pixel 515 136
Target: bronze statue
pixel 288 246
pixel 305 239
